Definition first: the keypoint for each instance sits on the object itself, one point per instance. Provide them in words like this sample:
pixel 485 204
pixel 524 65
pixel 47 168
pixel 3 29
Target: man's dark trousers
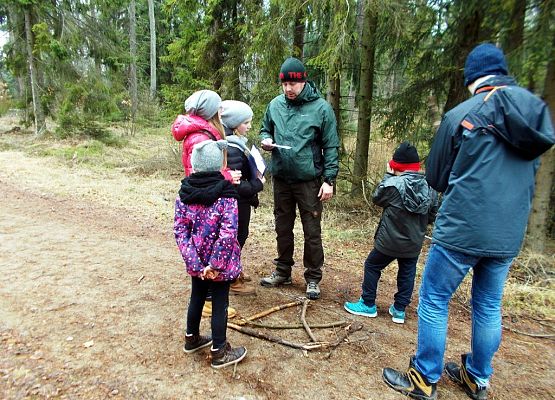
pixel 287 196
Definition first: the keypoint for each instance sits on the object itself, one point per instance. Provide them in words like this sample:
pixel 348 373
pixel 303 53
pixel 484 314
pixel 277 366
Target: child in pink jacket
pixel 201 122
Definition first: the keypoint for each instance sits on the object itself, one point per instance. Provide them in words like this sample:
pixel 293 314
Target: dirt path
pixel 93 293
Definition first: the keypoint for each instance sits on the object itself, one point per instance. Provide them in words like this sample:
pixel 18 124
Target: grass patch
pixel 5 106
pixel 526 300
pixel 87 151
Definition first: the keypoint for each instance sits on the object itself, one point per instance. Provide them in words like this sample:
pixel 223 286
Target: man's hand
pixel 326 192
pixel 235 176
pixel 209 273
pixel 267 144
pixel 261 177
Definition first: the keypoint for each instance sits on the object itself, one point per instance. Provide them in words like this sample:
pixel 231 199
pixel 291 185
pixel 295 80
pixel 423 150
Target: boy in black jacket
pixel 409 206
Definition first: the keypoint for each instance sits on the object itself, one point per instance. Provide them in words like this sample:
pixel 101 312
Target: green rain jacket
pixel 308 125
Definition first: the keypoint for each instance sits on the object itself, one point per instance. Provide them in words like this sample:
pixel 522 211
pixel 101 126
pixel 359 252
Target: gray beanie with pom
pixel 208 155
pixel 204 103
pixel 234 113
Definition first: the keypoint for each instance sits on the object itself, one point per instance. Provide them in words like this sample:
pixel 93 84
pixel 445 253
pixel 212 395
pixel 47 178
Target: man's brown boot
pixel 239 287
pixel 227 355
pixel 245 277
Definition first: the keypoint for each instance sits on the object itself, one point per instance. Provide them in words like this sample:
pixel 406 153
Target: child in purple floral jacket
pixel 205 228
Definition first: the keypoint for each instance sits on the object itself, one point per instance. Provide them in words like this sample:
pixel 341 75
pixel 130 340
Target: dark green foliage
pixel 236 47
pixel 82 106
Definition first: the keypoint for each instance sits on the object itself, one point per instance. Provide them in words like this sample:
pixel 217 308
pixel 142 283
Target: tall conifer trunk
pixel 539 217
pixel 133 64
pixel 40 124
pixel 468 36
pixel 298 34
pixel 369 29
pixel 152 25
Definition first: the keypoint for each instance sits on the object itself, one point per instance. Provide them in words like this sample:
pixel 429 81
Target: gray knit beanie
pixel 208 155
pixel 204 103
pixel 234 113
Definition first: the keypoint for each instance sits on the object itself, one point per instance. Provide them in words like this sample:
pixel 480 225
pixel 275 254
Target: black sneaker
pixel 196 342
pixel 459 374
pixel 227 355
pixel 410 383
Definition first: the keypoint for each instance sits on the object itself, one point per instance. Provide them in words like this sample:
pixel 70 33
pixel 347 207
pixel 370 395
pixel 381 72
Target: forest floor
pixel 93 294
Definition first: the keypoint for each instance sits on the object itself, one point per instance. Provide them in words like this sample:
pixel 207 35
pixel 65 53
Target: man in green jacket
pixel 300 130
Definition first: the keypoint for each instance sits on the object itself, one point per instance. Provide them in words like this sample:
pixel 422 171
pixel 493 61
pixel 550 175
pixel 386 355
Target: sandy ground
pixel 93 294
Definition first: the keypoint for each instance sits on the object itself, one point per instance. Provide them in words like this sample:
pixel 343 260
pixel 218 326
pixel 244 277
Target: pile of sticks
pixel 242 325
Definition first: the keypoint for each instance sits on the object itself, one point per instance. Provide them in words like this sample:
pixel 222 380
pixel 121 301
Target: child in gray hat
pixel 237 118
pixel 205 228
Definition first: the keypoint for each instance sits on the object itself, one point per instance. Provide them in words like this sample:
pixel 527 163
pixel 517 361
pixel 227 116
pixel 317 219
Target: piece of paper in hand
pixel 256 160
pixel 282 146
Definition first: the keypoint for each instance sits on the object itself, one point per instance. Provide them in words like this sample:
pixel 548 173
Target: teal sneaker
pixel 397 316
pixel 359 308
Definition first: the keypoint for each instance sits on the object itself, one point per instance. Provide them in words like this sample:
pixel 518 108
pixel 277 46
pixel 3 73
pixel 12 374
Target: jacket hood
pixel 510 112
pixel 308 94
pixel 237 141
pixel 205 188
pixel 416 195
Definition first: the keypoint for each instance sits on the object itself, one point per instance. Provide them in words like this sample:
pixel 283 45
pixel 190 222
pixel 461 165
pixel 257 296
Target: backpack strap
pixel 210 135
pixel 490 89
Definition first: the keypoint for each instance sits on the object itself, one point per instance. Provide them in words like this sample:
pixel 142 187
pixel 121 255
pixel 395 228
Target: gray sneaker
pixel 312 291
pixel 275 280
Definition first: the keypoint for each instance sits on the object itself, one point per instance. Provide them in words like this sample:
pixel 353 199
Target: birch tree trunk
pixel 40 124
pixel 133 65
pixel 152 49
pixel 360 168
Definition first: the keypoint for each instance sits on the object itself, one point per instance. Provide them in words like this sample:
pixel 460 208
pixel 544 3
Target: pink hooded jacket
pixel 192 129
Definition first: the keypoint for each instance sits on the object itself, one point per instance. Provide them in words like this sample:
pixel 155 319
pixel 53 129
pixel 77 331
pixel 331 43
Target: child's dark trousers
pixel 220 301
pixel 373 266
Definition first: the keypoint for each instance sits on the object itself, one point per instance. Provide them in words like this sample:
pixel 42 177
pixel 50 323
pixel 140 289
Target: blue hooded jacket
pixel 484 159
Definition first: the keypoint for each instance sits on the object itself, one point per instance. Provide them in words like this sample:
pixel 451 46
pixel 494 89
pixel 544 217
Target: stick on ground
pixel 269 311
pixel 275 339
pixel 303 320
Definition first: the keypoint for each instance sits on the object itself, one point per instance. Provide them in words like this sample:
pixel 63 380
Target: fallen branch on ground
pixel 355 326
pixel 305 324
pixel 294 326
pixel 350 329
pixel 536 335
pixel 268 312
pixel 275 339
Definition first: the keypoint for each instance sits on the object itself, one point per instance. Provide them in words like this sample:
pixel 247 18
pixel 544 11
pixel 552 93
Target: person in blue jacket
pixel 484 159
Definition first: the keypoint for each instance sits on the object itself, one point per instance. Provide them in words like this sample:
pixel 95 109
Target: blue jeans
pixel 444 271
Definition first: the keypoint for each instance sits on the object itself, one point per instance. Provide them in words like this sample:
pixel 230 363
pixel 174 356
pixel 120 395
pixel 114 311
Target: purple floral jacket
pixel 207 235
